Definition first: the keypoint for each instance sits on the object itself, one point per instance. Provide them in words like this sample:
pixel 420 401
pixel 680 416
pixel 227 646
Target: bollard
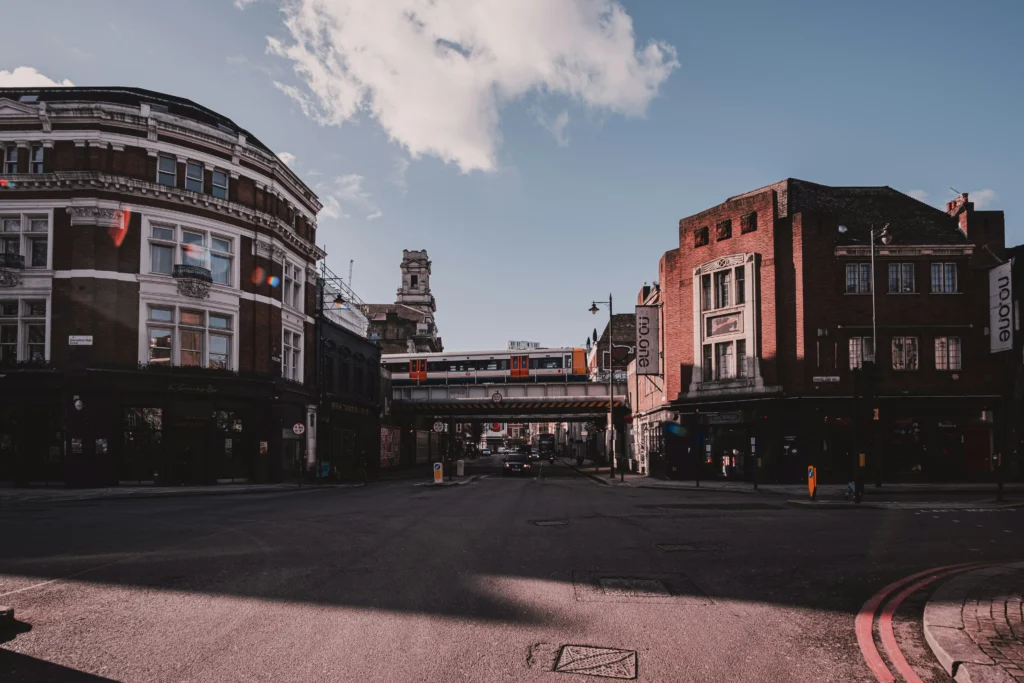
pixel 460 468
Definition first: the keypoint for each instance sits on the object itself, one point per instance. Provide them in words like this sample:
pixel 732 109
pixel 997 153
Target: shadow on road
pixel 14 666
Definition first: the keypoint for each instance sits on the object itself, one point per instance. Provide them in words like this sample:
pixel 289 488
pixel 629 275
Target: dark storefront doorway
pixel 188 452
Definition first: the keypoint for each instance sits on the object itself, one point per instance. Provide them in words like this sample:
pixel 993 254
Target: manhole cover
pixel 552 522
pixel 647 588
pixel 608 662
pixel 633 588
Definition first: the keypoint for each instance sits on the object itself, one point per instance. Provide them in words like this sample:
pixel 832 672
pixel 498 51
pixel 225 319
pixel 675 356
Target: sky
pixel 543 151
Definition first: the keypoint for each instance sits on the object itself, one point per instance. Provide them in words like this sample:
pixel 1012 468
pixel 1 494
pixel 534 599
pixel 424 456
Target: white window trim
pixel 31 158
pixel 202 175
pixel 213 182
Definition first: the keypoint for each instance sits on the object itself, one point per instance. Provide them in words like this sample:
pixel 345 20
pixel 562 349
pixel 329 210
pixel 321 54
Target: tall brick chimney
pixel 960 208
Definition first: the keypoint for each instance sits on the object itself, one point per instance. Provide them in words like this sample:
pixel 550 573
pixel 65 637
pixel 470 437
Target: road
pixel 397 582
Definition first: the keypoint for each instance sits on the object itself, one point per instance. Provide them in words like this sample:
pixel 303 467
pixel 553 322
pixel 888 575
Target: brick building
pixel 767 310
pixel 407 326
pixel 156 293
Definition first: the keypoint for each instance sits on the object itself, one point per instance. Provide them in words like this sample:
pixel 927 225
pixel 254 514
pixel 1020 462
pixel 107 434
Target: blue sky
pixel 537 190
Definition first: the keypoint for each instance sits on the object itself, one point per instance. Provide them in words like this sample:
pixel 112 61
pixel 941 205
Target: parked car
pixel 486 451
pixel 517 463
pixel 534 454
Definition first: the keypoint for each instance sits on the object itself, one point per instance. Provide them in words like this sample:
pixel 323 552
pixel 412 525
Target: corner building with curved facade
pixel 157 288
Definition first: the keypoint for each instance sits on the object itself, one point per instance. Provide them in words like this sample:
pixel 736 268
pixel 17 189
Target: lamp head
pixel 594 309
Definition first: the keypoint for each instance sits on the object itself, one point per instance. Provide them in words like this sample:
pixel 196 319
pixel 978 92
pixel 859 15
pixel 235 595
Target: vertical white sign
pixel 1000 308
pixel 647 341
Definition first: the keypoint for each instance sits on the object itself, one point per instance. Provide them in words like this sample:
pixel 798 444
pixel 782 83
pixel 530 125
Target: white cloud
pixel 435 75
pixel 28 77
pixel 555 126
pixel 286 157
pixel 982 198
pixel 237 59
pixel 919 195
pixel 346 195
pixel 398 178
pixel 242 4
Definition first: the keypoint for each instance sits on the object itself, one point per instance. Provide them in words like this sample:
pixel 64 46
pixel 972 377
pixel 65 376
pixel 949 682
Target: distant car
pixel 534 455
pixel 517 463
pixel 486 451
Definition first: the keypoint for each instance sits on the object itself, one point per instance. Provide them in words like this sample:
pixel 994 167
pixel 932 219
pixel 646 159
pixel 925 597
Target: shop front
pixel 105 428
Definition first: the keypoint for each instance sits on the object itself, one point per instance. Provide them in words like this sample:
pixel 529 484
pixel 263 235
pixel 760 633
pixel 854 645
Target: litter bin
pixel 460 467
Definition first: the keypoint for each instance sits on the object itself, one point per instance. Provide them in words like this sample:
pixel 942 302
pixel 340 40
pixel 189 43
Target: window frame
pixel 901 269
pixel 901 357
pixel 861 344
pixel 943 286
pixel 160 172
pixel 192 165
pixel 10 160
pixel 179 248
pixel 36 166
pixel 22 321
pixel 862 281
pixel 25 237
pixel 291 355
pixel 174 322
pixel 947 356
pixel 215 186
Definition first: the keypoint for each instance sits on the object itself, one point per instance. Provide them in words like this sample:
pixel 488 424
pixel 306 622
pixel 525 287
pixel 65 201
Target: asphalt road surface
pixel 489 581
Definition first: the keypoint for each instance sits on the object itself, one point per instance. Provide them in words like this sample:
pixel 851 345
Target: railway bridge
pixel 509 402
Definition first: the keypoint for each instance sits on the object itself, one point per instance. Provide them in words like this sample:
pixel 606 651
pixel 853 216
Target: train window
pixel 437 366
pixel 549 363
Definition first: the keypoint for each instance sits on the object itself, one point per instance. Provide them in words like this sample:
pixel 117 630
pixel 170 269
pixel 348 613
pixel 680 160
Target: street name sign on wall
pixel 80 340
pixel 647 346
pixel 1000 308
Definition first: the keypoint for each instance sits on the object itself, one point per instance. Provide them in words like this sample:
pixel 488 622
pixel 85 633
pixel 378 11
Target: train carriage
pixel 536 365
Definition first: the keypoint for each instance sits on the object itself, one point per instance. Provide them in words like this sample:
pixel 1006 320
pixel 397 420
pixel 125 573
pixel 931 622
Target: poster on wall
pixel 390 446
pixel 647 341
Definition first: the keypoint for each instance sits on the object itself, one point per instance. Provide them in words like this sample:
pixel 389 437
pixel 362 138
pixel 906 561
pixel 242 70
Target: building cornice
pixel 859 250
pixel 87 180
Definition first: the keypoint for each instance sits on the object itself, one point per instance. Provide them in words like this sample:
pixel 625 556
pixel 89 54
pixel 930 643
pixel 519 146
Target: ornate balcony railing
pixel 11 266
pixel 193 281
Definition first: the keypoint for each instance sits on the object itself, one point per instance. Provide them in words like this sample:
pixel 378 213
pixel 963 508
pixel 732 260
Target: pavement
pixel 830 496
pixel 974 625
pixel 547 578
pixel 16 496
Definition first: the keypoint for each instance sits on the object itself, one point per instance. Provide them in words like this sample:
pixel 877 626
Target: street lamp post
pixel 611 378
pixel 885 236
pixel 867 378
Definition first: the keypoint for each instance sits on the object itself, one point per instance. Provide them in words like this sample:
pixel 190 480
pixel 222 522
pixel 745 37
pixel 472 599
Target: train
pixel 537 365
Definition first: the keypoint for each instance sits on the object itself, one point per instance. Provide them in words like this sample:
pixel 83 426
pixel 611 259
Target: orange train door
pixel 514 367
pixel 524 366
pixel 418 370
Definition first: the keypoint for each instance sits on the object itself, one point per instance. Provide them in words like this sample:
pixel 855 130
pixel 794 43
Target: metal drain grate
pixel 687 547
pixel 551 522
pixel 608 662
pixel 649 588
